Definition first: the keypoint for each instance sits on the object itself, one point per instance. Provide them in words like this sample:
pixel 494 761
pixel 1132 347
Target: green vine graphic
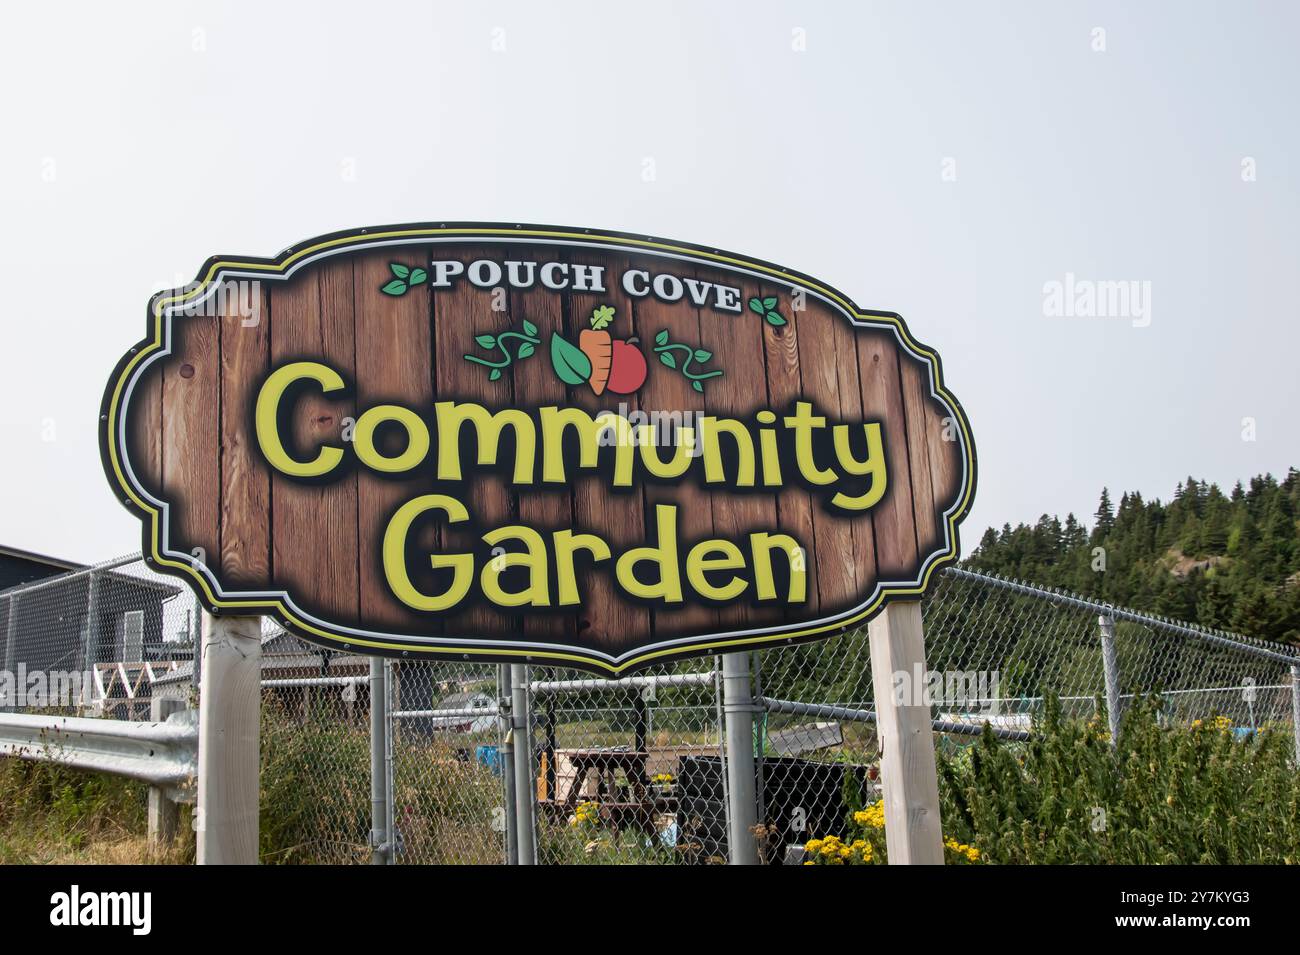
pixel 767 308
pixel 665 349
pixel 529 342
pixel 404 279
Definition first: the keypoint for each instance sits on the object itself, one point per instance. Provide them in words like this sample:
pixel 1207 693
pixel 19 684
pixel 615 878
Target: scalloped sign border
pixel 153 512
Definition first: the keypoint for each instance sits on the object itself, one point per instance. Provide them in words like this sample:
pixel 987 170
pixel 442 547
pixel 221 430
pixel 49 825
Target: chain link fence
pixel 615 771
pixel 94 642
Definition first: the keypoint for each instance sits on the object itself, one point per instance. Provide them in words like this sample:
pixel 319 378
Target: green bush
pixel 1199 794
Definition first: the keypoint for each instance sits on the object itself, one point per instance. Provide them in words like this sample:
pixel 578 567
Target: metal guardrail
pixel 161 754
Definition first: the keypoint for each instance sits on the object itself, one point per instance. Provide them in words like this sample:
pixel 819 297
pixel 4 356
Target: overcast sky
pixel 944 161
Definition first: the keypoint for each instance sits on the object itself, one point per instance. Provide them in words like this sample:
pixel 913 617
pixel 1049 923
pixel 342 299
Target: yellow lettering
pixel 762 544
pixel 664 555
pixel 567 544
pixel 537 593
pixel 417 439
pixel 804 422
pixel 683 451
pixel 699 563
pixel 874 465
pixel 710 429
pixel 266 416
pixel 394 552
pixel 488 428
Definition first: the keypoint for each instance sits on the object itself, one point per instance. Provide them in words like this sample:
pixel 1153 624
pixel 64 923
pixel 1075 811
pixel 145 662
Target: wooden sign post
pixel 913 832
pixel 229 736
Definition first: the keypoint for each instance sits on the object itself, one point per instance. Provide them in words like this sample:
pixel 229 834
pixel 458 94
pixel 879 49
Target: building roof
pixel 36 558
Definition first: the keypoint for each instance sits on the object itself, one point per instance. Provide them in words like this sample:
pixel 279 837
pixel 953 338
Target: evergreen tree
pixel 1246 546
pixel 1105 516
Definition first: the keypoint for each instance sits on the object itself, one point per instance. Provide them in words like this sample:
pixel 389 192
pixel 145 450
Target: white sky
pixel 180 130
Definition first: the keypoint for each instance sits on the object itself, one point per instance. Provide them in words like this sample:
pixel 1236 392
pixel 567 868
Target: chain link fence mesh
pixel 95 641
pixel 623 771
pixel 448 780
pixel 629 771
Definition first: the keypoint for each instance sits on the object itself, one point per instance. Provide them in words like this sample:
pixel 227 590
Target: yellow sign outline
pixel 216 267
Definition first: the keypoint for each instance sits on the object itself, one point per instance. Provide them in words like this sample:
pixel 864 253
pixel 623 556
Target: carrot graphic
pixel 597 345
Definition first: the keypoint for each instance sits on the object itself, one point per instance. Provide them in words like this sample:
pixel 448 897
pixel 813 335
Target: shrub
pixel 1199 794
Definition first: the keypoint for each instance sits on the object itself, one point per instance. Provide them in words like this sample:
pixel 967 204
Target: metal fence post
pixel 525 783
pixel 92 632
pixel 738 710
pixel 507 763
pixel 230 704
pixel 1110 673
pixel 11 650
pixel 381 835
pixel 196 635
pixel 390 806
pixel 1295 709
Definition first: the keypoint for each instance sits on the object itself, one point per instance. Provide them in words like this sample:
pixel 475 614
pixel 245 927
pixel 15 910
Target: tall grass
pixel 52 814
pixel 315 797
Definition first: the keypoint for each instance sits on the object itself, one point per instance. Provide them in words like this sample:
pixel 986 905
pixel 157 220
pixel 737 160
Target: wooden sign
pixel 503 442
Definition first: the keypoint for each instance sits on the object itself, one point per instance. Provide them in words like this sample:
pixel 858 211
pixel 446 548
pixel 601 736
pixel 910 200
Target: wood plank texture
pixel 606 620
pixel 191 435
pixel 314 526
pixel 737 343
pixel 190 439
pixel 245 481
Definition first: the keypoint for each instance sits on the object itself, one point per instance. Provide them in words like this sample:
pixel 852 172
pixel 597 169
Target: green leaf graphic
pixel 525 350
pixel 668 359
pixel 496 373
pixel 487 341
pixel 572 366
pixel 418 276
pixel 769 303
pixel 529 328
pixel 602 316
pixel 756 305
pixel 697 386
pixel 702 355
pixel 662 338
pixel 395 287
pixel 398 269
pixel 774 318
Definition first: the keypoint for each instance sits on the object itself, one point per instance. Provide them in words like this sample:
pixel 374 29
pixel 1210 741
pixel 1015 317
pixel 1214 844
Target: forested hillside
pixel 1224 560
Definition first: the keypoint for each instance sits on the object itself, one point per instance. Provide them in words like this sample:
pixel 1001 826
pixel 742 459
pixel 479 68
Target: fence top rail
pixel 602 685
pixel 1052 595
pixel 1102 609
pixel 18 590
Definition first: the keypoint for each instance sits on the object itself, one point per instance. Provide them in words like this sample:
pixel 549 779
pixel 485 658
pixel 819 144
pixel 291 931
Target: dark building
pixel 57 615
pixel 23 567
